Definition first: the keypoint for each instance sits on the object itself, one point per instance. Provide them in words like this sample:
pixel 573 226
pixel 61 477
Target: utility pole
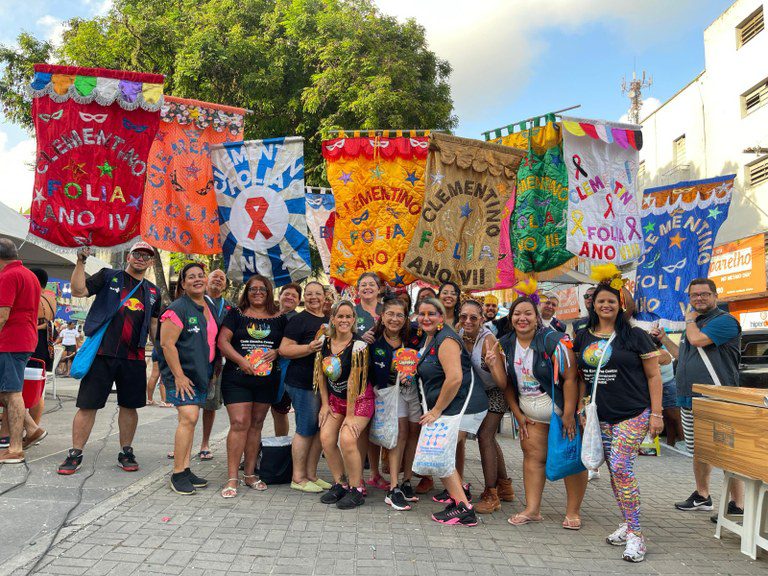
pixel 634 90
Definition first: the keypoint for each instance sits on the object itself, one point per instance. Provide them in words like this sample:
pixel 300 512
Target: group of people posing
pixel 331 359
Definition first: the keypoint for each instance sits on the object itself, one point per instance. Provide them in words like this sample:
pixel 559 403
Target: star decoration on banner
pixel 714 212
pixel 192 170
pixel 437 178
pixel 676 240
pixel 77 168
pixel 377 172
pixel 39 196
pixel 340 270
pixel 466 210
pixel 346 177
pixel 398 280
pixel 555 159
pixel 134 203
pixel 412 178
pixel 530 161
pixel 106 169
pixel 650 227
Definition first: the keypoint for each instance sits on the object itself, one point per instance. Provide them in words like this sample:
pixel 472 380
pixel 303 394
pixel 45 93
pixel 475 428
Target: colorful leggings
pixel 621 443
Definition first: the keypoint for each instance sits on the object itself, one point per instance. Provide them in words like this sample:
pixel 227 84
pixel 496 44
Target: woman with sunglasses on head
pixel 186 354
pixel 347 405
pixel 249 338
pixel 388 350
pixel 628 397
pixel 445 370
pixel 541 371
pixel 449 295
pixel 479 341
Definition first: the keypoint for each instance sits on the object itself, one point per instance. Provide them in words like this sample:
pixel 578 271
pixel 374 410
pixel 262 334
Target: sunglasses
pixel 257 290
pixel 465 317
pixel 142 256
pixel 587 296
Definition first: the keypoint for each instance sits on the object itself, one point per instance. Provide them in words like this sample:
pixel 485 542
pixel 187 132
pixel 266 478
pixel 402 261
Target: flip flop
pixel 572 523
pixel 521 519
pixel 205 455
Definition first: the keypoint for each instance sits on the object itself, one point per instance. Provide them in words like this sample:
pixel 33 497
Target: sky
pixel 511 59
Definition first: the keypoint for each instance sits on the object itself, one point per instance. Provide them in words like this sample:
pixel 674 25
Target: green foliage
pixel 17 71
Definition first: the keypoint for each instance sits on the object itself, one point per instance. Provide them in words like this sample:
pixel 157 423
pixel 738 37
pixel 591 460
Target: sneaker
pixel 5 441
pixel 408 492
pixel 352 499
pixel 334 494
pixel 425 485
pixel 695 502
pixel 635 549
pixel 181 483
pixel 8 457
pixel 593 475
pixel 443 497
pixel 619 537
pixel 460 514
pixel 322 483
pixel 197 482
pixel 308 486
pixel 126 460
pixel 733 510
pixel 396 499
pixel 71 463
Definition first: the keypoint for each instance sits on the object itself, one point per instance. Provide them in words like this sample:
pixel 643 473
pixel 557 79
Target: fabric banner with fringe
pixel 680 223
pixel 603 215
pixel 180 211
pixel 320 221
pixel 378 183
pixel 260 190
pixel 94 128
pixel 457 237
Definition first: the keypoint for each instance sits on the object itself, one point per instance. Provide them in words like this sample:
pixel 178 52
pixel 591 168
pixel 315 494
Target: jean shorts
pixel 12 366
pixel 669 394
pixel 306 407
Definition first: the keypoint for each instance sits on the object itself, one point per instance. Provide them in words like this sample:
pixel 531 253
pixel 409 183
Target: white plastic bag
pixel 592 454
pixel 385 424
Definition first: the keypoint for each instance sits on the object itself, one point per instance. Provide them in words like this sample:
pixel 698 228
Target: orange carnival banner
pixel 180 213
pixel 378 184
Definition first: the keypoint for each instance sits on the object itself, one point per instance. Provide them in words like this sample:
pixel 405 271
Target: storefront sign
pixel 738 268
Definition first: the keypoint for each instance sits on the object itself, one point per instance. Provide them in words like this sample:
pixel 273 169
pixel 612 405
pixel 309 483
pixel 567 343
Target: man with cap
pixel 129 305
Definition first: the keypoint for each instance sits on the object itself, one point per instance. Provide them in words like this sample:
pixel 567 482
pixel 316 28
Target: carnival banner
pixel 94 128
pixel 378 183
pixel 320 221
pixel 260 190
pixel 180 211
pixel 603 215
pixel 505 273
pixel 457 237
pixel 538 230
pixel 680 223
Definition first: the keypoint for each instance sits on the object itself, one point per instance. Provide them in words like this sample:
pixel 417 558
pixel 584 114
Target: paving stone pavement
pixel 147 529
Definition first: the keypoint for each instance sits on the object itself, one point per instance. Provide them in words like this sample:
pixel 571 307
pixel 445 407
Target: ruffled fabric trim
pixel 130 90
pixel 203 114
pixel 407 147
pixel 624 135
pixel 479 156
pixel 688 195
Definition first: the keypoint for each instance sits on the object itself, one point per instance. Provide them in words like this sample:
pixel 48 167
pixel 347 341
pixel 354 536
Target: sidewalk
pixel 134 524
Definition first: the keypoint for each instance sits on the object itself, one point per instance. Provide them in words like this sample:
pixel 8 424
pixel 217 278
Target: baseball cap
pixel 141 245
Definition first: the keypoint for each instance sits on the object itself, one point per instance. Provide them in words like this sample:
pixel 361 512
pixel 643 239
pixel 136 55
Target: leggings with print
pixel 621 443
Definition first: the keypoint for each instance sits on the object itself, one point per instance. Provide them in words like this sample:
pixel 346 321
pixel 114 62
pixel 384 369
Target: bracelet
pixel 657 415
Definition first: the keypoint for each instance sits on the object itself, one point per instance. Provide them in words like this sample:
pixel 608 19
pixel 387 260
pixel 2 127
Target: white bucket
pixel 34 374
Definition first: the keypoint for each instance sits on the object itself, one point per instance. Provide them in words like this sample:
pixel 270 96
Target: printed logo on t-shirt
pixel 379 352
pixel 594 351
pixel 193 320
pixel 134 304
pixel 258 331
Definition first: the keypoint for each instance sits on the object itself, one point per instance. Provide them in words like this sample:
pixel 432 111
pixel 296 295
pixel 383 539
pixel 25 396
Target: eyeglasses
pixel 698 295
pixel 465 317
pixel 257 290
pixel 142 256
pixel 397 315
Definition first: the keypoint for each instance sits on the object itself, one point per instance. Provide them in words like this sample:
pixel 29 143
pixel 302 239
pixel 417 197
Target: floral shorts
pixel 365 404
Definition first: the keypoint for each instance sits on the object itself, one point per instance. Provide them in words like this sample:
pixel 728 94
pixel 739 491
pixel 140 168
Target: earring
pixel 419 332
pixel 440 326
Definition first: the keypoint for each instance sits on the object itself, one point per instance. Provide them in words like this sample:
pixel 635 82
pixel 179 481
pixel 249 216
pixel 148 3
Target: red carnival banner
pixel 94 128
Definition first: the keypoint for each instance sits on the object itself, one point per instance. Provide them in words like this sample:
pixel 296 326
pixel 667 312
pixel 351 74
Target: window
pixel 749 28
pixel 755 352
pixel 641 174
pixel 754 98
pixel 757 171
pixel 678 150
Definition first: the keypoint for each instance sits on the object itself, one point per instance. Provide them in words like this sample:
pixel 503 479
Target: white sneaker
pixel 594 475
pixel 619 537
pixel 635 549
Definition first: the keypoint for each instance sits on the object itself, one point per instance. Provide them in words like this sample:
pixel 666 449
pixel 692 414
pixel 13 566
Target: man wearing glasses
pixel 584 322
pixel 710 352
pixel 129 305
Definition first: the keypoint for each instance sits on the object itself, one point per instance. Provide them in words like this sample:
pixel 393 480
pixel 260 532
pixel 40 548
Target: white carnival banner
pixel 603 207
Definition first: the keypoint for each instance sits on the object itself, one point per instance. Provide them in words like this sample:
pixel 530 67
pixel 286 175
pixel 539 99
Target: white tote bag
pixel 385 424
pixel 592 455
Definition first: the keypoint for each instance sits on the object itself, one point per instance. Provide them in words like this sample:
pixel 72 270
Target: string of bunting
pixel 522 125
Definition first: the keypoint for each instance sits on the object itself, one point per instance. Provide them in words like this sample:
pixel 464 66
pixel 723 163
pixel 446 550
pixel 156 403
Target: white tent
pixel 15 226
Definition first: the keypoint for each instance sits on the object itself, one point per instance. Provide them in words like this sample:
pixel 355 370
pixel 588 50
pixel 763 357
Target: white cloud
pixel 647 106
pixel 18 174
pixel 53 28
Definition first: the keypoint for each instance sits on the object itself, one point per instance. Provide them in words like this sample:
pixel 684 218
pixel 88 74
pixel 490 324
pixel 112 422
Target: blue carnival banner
pixel 321 207
pixel 260 190
pixel 680 224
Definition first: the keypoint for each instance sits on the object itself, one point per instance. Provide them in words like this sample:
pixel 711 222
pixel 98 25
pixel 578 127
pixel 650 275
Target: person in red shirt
pixel 19 301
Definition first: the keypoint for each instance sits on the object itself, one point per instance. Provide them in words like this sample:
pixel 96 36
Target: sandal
pixel 205 455
pixel 230 491
pixel 521 519
pixel 258 485
pixel 151 403
pixel 170 455
pixel 572 523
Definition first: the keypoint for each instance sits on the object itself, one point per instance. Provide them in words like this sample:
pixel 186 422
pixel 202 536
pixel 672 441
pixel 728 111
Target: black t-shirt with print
pixel 337 367
pixel 302 329
pixel 622 391
pixel 249 334
pixel 121 338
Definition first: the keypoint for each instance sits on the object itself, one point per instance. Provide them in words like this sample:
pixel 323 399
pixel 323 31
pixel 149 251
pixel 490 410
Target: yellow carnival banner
pixel 378 184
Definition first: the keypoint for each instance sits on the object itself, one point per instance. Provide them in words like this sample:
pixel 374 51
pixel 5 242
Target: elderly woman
pixel 445 370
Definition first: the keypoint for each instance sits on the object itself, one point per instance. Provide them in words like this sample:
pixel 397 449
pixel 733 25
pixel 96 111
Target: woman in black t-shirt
pixel 249 339
pixel 628 401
